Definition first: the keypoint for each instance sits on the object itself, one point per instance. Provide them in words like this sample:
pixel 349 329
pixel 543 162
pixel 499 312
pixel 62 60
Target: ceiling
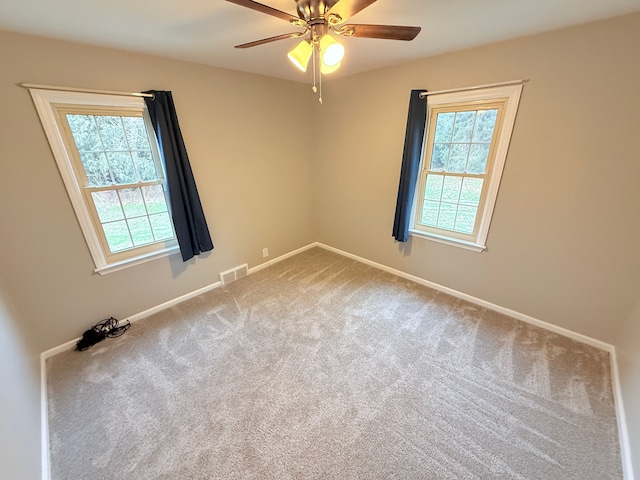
pixel 205 31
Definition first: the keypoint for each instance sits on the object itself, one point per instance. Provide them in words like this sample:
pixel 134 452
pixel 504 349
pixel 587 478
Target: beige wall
pixel 19 396
pixel 254 190
pixel 565 228
pixel 563 245
pixel 628 350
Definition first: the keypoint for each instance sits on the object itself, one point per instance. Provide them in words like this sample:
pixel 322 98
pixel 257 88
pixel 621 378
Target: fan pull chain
pixel 320 75
pixel 313 59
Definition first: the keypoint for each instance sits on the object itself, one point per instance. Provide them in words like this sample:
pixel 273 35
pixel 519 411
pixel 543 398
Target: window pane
pixel 463 126
pixel 430 213
pixel 451 189
pixel 447 216
pixel 145 165
pixel 132 202
pixel 112 133
pixel 461 146
pixel 154 198
pixel 122 167
pixel 161 226
pixel 433 187
pixel 136 133
pixel 485 123
pixel 96 168
pixel 439 156
pixel 478 156
pixel 444 127
pixel 140 230
pixel 107 205
pixel 113 149
pixel 458 158
pixel 471 191
pixel 85 132
pixel 117 235
pixel 465 219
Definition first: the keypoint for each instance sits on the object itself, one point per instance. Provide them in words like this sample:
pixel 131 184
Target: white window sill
pixel 455 242
pixel 130 262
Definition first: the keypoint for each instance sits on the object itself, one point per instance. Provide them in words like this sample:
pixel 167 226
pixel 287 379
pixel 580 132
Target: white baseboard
pixel 134 318
pixel 44 404
pixel 623 432
pixel 622 425
pixel 158 308
pixel 187 296
pixel 46 465
pixel 623 435
pixel 478 301
pixel 264 265
pixel 44 418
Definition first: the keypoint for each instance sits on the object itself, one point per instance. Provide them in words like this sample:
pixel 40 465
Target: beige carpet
pixel 320 367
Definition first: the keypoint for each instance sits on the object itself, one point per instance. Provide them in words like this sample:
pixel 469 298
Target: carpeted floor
pixel 321 367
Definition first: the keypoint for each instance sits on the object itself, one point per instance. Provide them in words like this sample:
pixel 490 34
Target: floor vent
pixel 234 274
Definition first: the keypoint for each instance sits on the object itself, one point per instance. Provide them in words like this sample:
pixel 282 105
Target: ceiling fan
pixel 320 19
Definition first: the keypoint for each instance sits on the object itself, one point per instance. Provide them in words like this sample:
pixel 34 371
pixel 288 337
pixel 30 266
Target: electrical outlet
pixel 265 252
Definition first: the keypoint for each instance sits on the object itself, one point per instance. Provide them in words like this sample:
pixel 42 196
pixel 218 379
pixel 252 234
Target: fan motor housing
pixel 313 10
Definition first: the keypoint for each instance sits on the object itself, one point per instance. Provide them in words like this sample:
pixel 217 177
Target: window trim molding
pixel 455 242
pixel 511 94
pixel 137 260
pixel 46 102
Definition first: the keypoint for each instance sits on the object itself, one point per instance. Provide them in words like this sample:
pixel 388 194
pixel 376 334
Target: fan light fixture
pixel 332 51
pixel 300 55
pixel 331 54
pixel 318 18
pixel 327 54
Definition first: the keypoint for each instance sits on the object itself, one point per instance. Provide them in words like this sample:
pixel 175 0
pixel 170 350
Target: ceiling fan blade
pixel 346 9
pixel 387 32
pixel 265 9
pixel 269 40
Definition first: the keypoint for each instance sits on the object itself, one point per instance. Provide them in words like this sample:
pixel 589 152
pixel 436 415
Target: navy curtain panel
pixel 188 217
pixel 413 139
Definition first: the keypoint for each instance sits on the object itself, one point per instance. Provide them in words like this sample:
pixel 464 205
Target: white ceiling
pixel 205 31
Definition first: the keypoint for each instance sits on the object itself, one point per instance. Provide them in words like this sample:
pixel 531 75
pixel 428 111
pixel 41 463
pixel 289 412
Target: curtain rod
pixel 477 87
pixel 86 90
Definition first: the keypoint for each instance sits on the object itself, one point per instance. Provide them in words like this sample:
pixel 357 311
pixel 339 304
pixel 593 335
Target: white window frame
pixel 510 95
pixel 51 104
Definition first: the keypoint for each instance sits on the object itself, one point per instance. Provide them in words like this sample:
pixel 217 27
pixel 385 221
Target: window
pixel 108 157
pixel 466 142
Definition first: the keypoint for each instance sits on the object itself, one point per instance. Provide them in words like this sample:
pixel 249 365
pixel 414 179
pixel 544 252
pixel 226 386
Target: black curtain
pixel 188 217
pixel 413 139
